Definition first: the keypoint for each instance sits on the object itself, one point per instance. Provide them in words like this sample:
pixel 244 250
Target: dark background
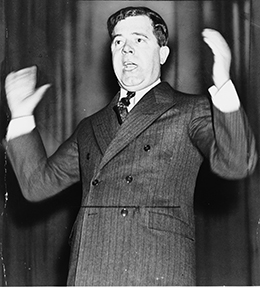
pixel 68 42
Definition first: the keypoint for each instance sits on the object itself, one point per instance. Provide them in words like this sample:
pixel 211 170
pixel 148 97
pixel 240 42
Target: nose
pixel 128 48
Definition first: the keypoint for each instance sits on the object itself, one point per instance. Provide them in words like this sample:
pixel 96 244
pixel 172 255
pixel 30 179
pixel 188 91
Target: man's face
pixel 136 54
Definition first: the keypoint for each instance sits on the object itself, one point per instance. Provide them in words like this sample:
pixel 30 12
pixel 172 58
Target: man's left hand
pixel 222 56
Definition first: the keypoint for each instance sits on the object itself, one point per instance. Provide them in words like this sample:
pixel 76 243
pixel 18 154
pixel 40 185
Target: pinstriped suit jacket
pixel 136 224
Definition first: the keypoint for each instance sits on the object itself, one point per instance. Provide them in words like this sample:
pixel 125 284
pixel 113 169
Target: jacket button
pixel 124 212
pixel 147 147
pixel 95 182
pixel 129 179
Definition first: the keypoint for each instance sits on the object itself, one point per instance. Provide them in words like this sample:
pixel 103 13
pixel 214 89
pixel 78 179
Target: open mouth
pixel 129 66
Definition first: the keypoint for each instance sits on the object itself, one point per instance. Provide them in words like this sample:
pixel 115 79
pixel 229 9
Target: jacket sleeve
pixel 226 139
pixel 41 177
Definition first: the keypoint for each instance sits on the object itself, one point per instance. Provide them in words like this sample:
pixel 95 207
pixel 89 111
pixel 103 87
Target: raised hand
pixel 22 96
pixel 222 56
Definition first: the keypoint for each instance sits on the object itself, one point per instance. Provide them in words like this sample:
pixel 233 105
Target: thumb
pixel 38 95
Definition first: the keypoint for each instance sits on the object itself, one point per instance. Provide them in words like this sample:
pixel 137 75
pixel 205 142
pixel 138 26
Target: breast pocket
pixel 168 223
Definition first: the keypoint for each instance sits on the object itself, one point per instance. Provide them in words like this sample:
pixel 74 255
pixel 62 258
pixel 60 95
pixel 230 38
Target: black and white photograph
pixel 129 143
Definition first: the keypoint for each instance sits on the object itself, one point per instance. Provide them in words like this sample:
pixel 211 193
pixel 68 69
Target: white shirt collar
pixel 138 94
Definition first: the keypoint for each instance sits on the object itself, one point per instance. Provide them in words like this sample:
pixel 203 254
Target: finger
pixel 218 49
pixel 32 101
pixel 212 34
pixel 26 76
pixel 215 50
pixel 26 71
pixel 37 96
pixel 216 38
pixel 21 83
pixel 9 78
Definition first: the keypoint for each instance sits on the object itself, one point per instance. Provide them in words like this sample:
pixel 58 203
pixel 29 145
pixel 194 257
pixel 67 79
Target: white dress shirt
pixel 138 94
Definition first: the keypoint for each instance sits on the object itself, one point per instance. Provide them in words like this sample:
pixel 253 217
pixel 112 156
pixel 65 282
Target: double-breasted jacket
pixel 135 225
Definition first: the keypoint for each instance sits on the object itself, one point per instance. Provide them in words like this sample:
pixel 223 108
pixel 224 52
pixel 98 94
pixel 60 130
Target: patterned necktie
pixel 121 107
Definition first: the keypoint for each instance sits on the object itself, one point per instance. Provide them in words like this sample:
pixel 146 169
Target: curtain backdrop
pixel 68 42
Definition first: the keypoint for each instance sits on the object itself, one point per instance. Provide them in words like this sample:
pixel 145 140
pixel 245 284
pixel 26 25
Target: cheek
pixel 116 64
pixel 150 59
pixel 156 62
pixel 151 65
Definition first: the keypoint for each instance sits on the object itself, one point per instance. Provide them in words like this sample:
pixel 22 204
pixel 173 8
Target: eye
pixel 139 40
pixel 118 42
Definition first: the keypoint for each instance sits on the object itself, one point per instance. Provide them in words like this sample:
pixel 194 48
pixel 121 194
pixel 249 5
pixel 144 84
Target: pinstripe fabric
pixel 136 223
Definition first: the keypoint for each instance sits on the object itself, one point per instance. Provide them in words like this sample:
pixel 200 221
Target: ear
pixel 164 53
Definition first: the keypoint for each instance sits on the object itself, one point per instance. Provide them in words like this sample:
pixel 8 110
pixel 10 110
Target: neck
pixel 138 94
pixel 144 90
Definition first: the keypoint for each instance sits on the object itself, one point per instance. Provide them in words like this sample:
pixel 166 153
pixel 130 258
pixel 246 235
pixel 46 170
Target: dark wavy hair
pixel 160 29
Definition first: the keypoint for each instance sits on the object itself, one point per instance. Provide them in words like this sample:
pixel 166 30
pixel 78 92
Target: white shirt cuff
pixel 226 98
pixel 20 126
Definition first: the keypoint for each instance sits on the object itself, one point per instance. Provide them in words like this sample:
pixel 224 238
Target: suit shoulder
pixel 87 120
pixel 184 97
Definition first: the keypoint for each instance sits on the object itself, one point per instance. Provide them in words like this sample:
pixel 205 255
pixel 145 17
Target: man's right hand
pixel 22 96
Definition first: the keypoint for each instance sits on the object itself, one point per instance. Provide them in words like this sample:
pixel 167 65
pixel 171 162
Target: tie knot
pixel 126 100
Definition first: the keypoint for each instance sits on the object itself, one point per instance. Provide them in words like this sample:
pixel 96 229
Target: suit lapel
pixel 156 102
pixel 105 125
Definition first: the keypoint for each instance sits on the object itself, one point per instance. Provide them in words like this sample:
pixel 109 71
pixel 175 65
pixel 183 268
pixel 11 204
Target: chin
pixel 133 86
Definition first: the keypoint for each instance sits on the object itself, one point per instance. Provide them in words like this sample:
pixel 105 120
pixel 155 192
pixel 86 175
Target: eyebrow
pixel 116 35
pixel 134 33
pixel 140 34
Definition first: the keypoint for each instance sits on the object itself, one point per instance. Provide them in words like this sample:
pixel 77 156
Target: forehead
pixel 140 23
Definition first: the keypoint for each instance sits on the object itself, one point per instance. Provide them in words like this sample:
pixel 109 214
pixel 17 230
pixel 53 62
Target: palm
pixel 222 56
pixel 21 94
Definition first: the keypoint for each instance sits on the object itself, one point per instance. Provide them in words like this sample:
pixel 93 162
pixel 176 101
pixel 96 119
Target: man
pixel 138 171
